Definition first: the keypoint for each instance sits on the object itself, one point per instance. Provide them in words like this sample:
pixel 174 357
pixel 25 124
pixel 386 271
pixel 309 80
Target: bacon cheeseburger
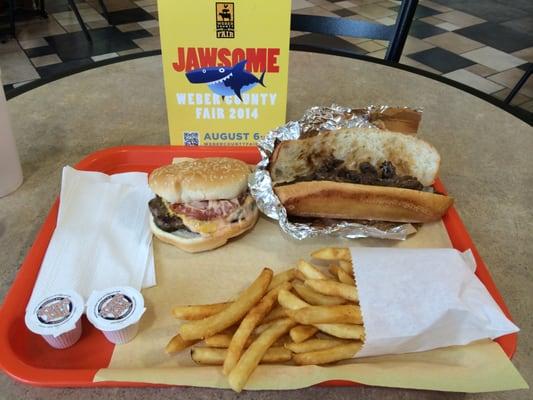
pixel 202 203
pixel 360 173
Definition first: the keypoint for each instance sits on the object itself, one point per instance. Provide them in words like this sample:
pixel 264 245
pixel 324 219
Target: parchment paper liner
pixel 216 276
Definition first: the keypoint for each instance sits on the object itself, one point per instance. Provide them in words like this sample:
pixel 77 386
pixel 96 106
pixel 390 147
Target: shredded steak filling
pixel 333 170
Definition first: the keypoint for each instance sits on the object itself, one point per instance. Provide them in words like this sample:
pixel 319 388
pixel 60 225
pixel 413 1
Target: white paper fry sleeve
pixel 422 299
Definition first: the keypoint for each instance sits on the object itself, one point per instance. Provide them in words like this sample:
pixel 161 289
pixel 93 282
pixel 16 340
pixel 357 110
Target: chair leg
pixel 104 10
pixel 42 9
pixel 74 8
pixel 401 30
pixel 519 85
pixel 12 18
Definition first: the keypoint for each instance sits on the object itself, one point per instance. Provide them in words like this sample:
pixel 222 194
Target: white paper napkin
pixel 102 237
pixel 421 299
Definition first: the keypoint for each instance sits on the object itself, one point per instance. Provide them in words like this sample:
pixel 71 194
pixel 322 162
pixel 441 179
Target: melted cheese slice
pixel 203 227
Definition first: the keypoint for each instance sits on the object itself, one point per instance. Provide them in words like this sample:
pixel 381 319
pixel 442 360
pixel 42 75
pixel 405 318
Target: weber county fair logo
pixel 225 18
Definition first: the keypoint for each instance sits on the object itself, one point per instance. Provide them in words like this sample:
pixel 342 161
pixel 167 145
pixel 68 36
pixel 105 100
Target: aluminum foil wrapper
pixel 316 120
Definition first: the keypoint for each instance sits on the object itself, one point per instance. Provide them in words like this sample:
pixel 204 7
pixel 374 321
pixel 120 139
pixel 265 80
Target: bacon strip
pixel 207 210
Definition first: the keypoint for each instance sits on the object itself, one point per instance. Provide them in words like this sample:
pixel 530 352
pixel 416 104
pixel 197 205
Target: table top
pixel 486 166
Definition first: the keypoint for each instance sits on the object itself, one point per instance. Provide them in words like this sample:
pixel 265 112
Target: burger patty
pixel 168 221
pixel 163 219
pixel 333 170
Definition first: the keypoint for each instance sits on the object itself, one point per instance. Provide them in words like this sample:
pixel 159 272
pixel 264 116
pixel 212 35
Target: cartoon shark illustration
pixel 226 81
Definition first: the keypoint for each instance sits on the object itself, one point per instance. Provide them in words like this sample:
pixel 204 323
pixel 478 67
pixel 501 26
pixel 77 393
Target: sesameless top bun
pixel 212 178
pixel 293 159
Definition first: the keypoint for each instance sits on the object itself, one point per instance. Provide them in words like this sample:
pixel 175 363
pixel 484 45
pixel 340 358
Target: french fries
pixel 315 298
pixel 276 313
pixel 263 327
pixel 284 276
pixel 346 266
pixel 252 356
pixel 332 288
pixel 344 331
pixel 230 315
pixel 191 313
pixel 332 253
pixel 327 314
pixel 177 343
pixel 341 274
pixel 299 275
pixel 315 344
pixel 248 324
pixel 222 340
pixel 302 332
pixel 332 354
pixel 290 301
pixel 310 271
pixel 267 323
pixel 214 356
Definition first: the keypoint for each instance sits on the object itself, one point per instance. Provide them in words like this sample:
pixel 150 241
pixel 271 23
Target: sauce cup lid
pixel 55 314
pixel 115 308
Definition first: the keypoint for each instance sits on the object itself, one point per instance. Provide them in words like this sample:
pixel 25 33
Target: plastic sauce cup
pixel 116 312
pixel 57 318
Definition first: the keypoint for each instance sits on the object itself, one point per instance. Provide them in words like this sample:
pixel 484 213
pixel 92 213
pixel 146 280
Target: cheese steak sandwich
pixel 201 203
pixel 358 173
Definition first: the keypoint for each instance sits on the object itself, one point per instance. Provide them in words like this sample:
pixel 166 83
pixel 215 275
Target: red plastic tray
pixel 27 358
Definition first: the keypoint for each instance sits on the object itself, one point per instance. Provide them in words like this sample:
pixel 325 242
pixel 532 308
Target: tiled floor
pixel 486 44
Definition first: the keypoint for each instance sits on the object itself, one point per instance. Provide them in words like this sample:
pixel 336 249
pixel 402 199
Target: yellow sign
pixel 225 66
